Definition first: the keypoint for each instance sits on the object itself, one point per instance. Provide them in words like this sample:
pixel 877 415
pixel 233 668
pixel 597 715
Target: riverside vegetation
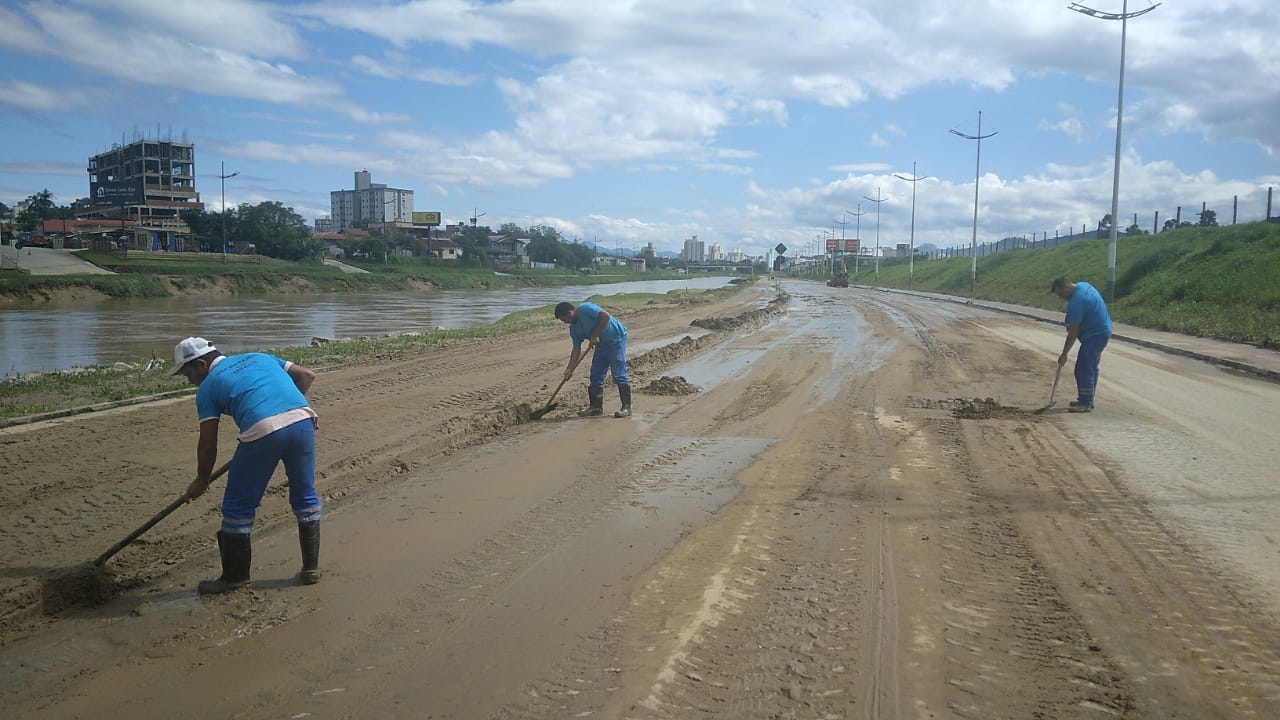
pixel 30 396
pixel 1220 282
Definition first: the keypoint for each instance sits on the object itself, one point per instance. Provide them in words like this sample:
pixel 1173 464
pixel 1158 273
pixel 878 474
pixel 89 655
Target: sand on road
pixel 834 503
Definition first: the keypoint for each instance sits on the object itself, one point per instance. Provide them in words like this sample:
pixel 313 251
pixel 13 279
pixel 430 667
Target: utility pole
pixel 877 200
pixel 911 266
pixel 1123 16
pixel 977 174
pixel 857 235
pixel 222 175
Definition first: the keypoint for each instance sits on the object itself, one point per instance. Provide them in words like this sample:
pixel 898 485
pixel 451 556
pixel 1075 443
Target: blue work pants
pixel 252 467
pixel 611 358
pixel 1087 361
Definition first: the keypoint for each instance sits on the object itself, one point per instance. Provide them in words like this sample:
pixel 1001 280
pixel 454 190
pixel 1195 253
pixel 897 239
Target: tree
pixel 276 231
pixel 511 229
pixel 1172 224
pixel 1208 218
pixel 1104 226
pixel 39 208
pixel 474 242
pixel 1134 230
pixel 576 255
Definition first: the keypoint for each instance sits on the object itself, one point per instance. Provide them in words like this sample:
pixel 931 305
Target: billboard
pixel 834 245
pixel 426 218
pixel 117 192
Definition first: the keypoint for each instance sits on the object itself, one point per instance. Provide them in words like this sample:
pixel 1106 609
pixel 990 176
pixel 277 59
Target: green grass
pixel 139 276
pixel 1221 282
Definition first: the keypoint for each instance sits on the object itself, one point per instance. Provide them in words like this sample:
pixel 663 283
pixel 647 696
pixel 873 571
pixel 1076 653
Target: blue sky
pixel 622 123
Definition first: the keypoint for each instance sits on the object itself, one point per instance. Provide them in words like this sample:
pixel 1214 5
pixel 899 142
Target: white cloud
pixel 32 97
pixel 242 26
pixel 398 66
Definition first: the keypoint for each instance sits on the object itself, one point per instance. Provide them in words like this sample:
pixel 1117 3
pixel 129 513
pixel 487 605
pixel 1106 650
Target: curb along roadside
pixel 98 407
pixel 1242 366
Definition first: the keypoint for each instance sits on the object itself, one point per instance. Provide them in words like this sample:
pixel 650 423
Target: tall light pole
pixel 911 265
pixel 222 175
pixel 977 173
pixel 857 235
pixel 877 200
pixel 396 216
pixel 1123 16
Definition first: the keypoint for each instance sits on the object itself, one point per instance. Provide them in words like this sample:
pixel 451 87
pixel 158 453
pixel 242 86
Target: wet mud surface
pixel 834 505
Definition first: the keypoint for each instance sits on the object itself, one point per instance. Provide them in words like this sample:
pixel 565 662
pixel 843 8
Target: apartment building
pixel 144 185
pixel 369 203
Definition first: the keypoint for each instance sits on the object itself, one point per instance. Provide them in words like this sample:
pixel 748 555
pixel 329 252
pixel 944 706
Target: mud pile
pixel 667 385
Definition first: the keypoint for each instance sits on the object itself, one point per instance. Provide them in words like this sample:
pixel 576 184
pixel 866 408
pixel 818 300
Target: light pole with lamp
pixel 395 217
pixel 911 263
pixel 223 177
pixel 1123 16
pixel 977 173
pixel 877 200
pixel 840 250
pixel 857 235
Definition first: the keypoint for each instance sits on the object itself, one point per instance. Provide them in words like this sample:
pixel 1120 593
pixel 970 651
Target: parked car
pixel 34 241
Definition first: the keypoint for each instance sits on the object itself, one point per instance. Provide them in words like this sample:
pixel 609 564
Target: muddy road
pixel 830 503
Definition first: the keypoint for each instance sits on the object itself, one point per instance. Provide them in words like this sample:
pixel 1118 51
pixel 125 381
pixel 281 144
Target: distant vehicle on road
pixel 34 241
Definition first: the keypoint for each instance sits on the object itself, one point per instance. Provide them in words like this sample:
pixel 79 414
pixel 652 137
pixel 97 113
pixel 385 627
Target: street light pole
pixel 1123 16
pixel 877 200
pixel 911 265
pixel 857 235
pixel 222 175
pixel 977 173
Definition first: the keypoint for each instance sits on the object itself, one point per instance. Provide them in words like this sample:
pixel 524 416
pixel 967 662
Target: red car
pixel 36 241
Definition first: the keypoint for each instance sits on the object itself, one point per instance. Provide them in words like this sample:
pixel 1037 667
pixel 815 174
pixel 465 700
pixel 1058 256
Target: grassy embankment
pixel 35 394
pixel 141 276
pixel 1221 282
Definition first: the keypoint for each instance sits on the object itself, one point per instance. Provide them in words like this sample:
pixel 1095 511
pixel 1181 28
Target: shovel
pixel 65 588
pixel 537 414
pixel 104 557
pixel 1052 392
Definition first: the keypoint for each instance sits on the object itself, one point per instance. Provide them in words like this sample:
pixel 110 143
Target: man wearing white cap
pixel 265 395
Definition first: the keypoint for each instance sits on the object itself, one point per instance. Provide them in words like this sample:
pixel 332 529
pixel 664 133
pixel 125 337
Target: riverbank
pixel 37 395
pixel 153 275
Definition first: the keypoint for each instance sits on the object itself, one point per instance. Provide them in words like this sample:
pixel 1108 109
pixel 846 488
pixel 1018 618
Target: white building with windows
pixel 694 251
pixel 370 203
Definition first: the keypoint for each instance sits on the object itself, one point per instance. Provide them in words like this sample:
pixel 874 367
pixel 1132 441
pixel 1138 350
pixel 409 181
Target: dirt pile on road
pixel 670 386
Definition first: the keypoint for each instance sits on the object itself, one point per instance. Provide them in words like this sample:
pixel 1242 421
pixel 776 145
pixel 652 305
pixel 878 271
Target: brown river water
pixel 48 338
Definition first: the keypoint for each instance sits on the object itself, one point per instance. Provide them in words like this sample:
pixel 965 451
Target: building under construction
pixel 144 186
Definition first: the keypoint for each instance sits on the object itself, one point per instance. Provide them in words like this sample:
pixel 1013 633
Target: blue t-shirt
pixel 585 324
pixel 1087 307
pixel 249 388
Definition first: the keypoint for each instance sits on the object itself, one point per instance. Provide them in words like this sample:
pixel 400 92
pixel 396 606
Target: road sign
pixel 780 249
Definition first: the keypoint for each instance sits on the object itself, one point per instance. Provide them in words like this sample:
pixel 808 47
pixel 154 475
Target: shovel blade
pixel 540 412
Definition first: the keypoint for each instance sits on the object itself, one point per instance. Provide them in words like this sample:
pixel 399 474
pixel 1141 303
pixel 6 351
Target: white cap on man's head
pixel 189 349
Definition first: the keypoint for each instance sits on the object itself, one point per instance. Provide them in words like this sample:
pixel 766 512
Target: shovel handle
pixel 557 390
pixel 104 557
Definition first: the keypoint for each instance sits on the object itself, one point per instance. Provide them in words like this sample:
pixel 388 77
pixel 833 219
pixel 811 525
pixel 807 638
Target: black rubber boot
pixel 309 539
pixel 596 396
pixel 237 557
pixel 624 393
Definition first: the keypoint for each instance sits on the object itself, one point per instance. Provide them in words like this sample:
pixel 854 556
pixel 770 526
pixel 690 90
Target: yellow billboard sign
pixel 426 218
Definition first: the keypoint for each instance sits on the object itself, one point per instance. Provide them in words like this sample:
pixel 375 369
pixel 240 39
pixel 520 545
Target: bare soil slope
pixel 835 503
